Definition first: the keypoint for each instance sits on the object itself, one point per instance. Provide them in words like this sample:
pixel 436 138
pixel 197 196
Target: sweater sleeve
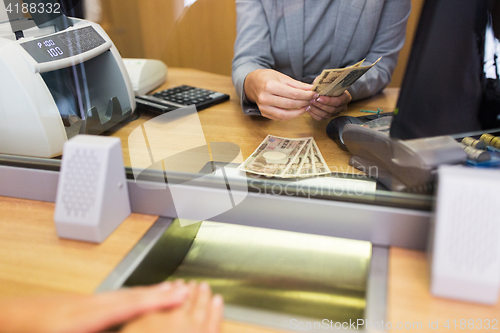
pixel 252 49
pixel 389 39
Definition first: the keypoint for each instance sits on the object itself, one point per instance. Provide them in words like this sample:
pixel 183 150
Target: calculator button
pixel 187 95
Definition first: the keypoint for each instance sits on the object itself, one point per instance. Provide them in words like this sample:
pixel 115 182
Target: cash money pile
pixel 286 158
pixel 333 82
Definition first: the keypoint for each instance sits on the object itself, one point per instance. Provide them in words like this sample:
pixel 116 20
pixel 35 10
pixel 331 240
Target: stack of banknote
pixel 333 82
pixel 286 158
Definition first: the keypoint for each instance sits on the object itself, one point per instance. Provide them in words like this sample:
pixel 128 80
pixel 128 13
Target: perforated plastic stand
pixel 464 242
pixel 92 196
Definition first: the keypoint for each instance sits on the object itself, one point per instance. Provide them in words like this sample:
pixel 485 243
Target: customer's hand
pixel 277 95
pixel 324 107
pixel 74 314
pixel 201 313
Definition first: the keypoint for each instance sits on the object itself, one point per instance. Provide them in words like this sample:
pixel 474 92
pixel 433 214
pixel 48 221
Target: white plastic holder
pixel 92 196
pixel 465 235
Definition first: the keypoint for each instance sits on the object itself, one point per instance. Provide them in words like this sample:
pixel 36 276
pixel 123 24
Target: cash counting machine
pixel 57 84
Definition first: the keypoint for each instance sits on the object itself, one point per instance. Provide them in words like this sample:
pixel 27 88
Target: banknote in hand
pixel 333 82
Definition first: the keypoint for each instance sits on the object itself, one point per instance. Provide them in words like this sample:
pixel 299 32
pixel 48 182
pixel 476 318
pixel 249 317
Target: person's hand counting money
pixel 303 38
pixel 278 96
pixel 324 107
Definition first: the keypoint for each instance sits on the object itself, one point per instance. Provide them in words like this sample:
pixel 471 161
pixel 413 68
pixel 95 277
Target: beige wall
pixel 121 22
pixel 200 36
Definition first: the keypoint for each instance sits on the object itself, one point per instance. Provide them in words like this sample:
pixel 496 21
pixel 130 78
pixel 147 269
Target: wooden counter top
pixel 34 261
pixel 226 122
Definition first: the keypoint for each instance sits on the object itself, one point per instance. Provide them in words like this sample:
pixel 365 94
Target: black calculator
pixel 178 97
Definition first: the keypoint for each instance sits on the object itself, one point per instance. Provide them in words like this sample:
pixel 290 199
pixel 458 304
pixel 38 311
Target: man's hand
pixel 277 95
pixel 324 107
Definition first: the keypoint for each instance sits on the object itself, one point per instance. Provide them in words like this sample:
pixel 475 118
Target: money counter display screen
pixel 63 45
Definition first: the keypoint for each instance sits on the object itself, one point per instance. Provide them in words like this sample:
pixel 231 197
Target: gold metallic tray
pixel 285 272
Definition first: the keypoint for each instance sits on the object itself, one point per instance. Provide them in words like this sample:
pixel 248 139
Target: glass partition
pixel 89 93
